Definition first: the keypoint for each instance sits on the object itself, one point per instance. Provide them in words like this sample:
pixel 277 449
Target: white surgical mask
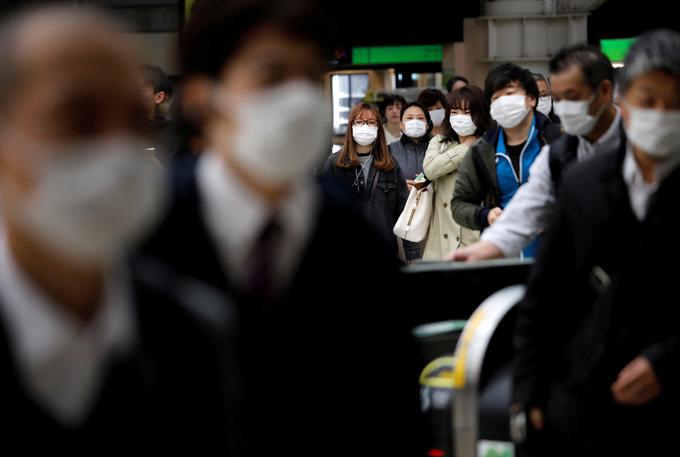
pixel 509 110
pixel 462 124
pixel 654 131
pixel 415 128
pixel 93 200
pixel 281 132
pixel 365 134
pixel 437 116
pixel 574 115
pixel 544 105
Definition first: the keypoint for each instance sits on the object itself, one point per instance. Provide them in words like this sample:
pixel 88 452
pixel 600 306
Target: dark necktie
pixel 262 262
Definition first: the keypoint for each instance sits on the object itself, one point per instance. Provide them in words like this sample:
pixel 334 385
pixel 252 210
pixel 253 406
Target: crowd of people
pixel 209 278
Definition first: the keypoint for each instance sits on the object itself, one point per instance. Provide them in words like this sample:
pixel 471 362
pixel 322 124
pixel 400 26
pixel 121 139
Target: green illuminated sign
pixel 616 49
pixel 397 54
pixel 188 4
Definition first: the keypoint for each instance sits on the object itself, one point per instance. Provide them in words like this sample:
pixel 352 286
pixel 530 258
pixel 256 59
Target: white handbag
pixel 414 221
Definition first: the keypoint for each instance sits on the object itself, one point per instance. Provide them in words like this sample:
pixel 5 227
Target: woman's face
pixel 412 113
pixel 436 106
pixel 461 109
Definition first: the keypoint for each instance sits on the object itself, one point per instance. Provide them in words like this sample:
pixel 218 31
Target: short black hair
pixel 217 27
pixel 389 100
pixel 595 66
pixel 453 80
pixel 503 75
pixel 428 119
pixel 155 77
pixel 430 97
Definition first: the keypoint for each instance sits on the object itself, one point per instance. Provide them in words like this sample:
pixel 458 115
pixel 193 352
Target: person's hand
pixel 409 184
pixel 481 250
pixel 637 383
pixel 493 215
pixel 536 418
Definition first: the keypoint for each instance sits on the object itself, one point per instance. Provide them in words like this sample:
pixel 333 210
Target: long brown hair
pixel 348 158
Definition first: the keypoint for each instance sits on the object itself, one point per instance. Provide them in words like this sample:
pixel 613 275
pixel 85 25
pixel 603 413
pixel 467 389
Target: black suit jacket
pixel 331 367
pixel 600 294
pixel 167 395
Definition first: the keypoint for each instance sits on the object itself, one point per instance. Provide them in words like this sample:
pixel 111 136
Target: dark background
pixel 387 22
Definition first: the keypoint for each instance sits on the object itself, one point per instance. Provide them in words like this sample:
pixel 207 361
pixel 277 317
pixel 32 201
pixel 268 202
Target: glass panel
pixel 347 90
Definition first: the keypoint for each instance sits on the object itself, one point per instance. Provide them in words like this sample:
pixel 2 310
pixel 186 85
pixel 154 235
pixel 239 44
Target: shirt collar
pixel 632 174
pixel 43 335
pixel 229 205
pixel 236 215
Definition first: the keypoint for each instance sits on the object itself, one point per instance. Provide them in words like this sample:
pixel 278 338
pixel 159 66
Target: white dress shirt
pixel 530 209
pixel 61 360
pixel 235 216
pixel 639 191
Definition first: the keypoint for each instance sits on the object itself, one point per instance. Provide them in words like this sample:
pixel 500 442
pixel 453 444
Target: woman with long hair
pixel 365 166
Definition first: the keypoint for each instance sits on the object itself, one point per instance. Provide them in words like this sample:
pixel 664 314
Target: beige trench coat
pixel 441 167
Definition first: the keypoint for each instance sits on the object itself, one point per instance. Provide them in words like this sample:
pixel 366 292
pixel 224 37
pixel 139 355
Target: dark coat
pixel 601 293
pixel 171 393
pixel 410 155
pixel 382 200
pixel 331 364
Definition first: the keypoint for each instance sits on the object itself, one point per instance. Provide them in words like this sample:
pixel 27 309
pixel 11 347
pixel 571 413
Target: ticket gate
pixel 467 285
pixel 453 290
pixel 482 378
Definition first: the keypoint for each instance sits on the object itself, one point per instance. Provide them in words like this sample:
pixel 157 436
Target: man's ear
pixel 607 88
pixel 532 101
pixel 159 97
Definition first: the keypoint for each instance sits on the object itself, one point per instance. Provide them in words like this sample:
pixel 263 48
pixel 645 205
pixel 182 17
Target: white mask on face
pixel 462 124
pixel 574 115
pixel 544 105
pixel 365 134
pixel 437 116
pixel 509 110
pixel 654 131
pixel 93 200
pixel 415 128
pixel 281 132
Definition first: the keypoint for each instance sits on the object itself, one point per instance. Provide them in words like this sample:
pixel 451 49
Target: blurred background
pixel 383 47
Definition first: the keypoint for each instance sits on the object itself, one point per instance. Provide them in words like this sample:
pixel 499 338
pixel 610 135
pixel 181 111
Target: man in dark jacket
pixel 597 340
pixel 96 357
pixel 324 343
pixel 498 164
pixel 156 92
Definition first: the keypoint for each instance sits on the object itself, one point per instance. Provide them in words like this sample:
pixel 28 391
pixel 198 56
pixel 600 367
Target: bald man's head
pixel 68 75
pixel 74 179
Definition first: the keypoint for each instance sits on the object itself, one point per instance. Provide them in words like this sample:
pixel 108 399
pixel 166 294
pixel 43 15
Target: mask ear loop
pixel 602 108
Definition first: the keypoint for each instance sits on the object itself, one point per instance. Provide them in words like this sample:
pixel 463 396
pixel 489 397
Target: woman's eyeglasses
pixel 360 122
